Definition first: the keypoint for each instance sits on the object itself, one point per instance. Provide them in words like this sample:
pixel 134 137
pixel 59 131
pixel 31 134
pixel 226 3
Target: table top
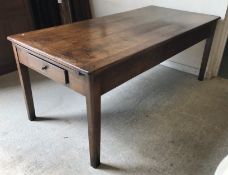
pixel 99 43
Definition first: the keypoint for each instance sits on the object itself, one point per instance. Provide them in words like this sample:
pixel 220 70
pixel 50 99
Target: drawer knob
pixel 44 67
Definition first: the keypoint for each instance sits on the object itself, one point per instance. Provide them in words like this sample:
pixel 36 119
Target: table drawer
pixel 51 71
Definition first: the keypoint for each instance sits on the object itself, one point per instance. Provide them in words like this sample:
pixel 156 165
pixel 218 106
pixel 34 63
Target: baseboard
pixel 181 67
pixel 7 69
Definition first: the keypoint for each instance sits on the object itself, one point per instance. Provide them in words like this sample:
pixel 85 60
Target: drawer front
pixel 51 71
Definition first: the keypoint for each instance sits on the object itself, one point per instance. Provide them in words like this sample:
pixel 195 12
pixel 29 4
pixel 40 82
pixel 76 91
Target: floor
pixel 163 122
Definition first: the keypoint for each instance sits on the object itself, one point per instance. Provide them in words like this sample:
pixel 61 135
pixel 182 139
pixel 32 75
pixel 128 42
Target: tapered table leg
pixel 26 87
pixel 93 101
pixel 206 54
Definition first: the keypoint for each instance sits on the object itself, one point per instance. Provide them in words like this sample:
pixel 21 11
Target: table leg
pixel 26 87
pixel 206 54
pixel 93 101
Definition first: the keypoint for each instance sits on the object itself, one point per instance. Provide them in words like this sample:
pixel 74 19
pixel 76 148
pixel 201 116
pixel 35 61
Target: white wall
pixel 189 60
pixel 215 7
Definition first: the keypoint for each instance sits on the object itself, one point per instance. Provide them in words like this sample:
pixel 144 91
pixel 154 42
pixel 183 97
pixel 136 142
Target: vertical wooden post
pixel 65 11
pixel 93 101
pixel 206 53
pixel 26 87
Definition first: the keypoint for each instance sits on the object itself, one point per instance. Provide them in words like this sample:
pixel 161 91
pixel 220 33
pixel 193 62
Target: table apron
pixel 119 73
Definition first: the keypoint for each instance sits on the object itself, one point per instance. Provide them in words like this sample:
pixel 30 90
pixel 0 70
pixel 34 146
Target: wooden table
pixel 92 57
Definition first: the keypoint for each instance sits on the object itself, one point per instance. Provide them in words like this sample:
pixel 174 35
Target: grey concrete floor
pixel 163 122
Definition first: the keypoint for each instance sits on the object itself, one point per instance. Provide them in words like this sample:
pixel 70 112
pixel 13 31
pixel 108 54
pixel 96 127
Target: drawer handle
pixel 44 67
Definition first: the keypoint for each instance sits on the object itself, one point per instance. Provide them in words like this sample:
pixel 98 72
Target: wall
pixel 189 60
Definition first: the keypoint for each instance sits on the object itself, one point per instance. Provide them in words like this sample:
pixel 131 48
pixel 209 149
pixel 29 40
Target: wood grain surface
pixel 98 43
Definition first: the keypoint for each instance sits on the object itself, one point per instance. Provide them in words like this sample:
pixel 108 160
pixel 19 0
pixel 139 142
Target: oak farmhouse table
pixel 94 56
